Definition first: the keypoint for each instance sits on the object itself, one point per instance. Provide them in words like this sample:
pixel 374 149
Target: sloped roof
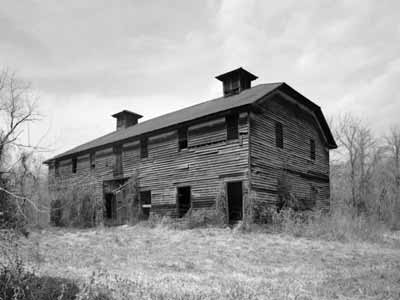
pixel 203 109
pixel 239 71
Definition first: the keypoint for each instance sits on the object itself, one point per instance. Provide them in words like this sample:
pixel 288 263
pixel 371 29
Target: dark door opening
pixel 235 201
pixel 110 206
pixel 183 200
pixel 145 202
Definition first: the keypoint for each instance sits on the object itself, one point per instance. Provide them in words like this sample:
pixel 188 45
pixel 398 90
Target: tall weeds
pixel 337 225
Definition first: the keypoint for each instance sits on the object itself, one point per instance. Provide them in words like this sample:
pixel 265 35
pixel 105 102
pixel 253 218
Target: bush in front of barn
pixel 74 207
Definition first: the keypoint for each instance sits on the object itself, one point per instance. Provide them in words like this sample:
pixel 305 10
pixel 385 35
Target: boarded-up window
pixel 312 149
pixel 120 122
pixel 118 160
pixel 183 138
pixel 145 202
pixel 232 127
pixel 74 164
pixel 56 168
pixel 279 134
pixel 143 148
pixel 92 160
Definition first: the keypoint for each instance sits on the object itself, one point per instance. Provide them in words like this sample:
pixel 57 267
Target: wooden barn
pixel 246 143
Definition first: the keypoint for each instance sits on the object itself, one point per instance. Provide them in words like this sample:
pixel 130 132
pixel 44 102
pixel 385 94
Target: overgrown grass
pixel 335 226
pixel 153 261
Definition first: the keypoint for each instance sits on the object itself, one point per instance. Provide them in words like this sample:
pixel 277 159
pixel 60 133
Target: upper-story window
pixel 74 164
pixel 118 160
pixel 279 134
pixel 312 149
pixel 56 168
pixel 232 127
pixel 183 138
pixel 92 160
pixel 143 148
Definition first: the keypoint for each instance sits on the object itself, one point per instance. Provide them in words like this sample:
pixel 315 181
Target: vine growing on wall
pixel 132 199
pixel 221 204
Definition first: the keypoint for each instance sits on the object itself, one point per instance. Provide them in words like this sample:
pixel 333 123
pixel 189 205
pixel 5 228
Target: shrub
pixel 263 213
pixel 28 286
pixel 10 214
pixel 87 213
pixel 157 220
pixel 197 218
pixel 74 207
pixel 21 285
pixel 56 213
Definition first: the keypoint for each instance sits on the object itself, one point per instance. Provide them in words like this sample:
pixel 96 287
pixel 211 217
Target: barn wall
pixel 307 178
pixel 209 160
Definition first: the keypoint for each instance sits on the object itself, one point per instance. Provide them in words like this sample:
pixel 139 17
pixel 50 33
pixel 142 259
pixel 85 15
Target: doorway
pixel 183 200
pixel 145 202
pixel 110 206
pixel 235 201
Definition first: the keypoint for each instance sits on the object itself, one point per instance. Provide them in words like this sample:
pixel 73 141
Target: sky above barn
pixel 89 59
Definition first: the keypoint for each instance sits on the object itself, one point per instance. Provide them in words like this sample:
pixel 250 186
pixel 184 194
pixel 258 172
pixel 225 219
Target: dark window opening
pixel 92 160
pixel 279 134
pixel 143 148
pixel 74 164
pixel 235 201
pixel 118 160
pixel 145 202
pixel 231 86
pixel 232 127
pixel 183 200
pixel 183 138
pixel 312 149
pixel 57 168
pixel 110 206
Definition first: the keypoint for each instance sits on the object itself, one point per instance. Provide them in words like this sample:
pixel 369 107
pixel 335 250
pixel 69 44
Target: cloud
pixel 89 59
pixel 341 54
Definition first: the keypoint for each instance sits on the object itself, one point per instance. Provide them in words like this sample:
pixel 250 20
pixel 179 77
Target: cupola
pixel 126 119
pixel 235 81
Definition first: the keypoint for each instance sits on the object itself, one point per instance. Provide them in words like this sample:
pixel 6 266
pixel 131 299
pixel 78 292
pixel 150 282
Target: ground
pixel 210 263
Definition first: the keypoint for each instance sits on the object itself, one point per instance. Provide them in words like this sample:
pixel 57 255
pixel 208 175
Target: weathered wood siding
pixel 268 162
pixel 209 160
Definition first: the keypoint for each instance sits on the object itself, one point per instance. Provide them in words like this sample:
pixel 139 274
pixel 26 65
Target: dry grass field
pixel 139 262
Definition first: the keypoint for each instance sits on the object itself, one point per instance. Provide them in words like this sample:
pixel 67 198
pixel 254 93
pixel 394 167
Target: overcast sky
pixel 90 59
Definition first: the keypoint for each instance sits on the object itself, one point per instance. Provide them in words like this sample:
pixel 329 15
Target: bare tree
pixel 393 147
pixel 362 153
pixel 370 154
pixel 346 134
pixel 17 107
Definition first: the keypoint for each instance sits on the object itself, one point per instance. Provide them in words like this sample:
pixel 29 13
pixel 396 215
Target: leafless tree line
pixel 365 170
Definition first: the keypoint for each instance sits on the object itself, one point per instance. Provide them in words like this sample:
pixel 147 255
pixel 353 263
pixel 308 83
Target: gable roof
pixel 197 111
